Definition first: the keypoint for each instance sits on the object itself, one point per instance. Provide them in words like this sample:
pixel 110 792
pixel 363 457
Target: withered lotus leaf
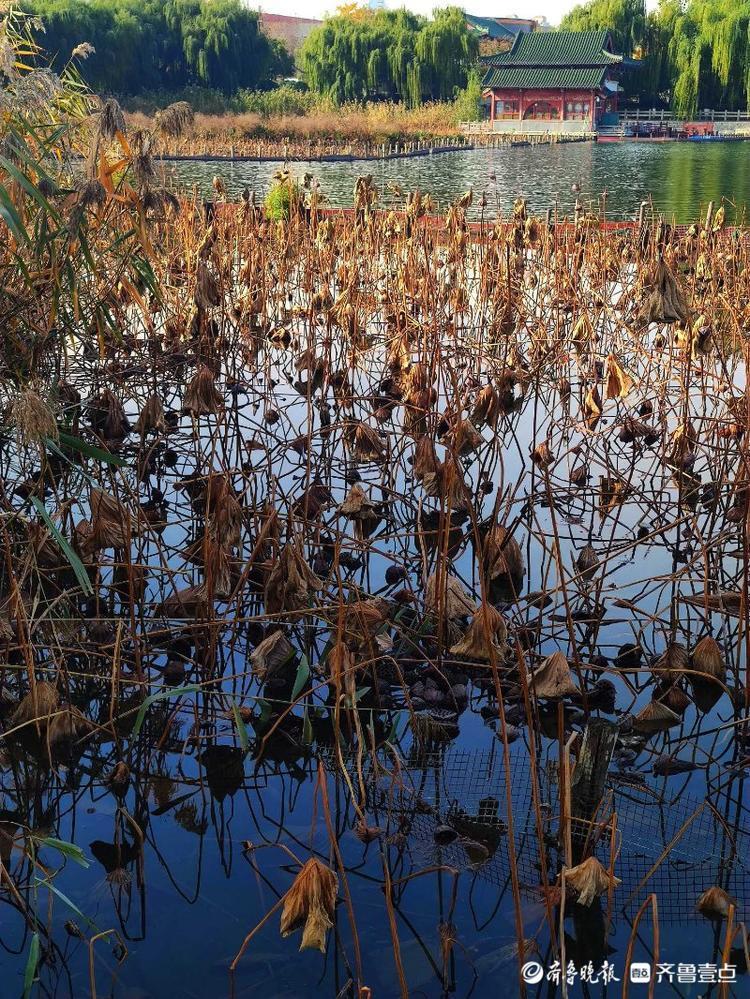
pixel 313 501
pixel 418 380
pixel 464 437
pixel 666 765
pixel 151 416
pixel 666 302
pixel 201 395
pixel 503 555
pixel 617 381
pixel 83 538
pixel 107 417
pixel 366 443
pixel 655 717
pixel 130 580
pixel 270 655
pixel 675 699
pixel 579 476
pixel 365 833
pixel 38 704
pixel 727 602
pixel 362 620
pixel 682 445
pixel 291 582
pixel 587 562
pixel 399 359
pixel 708 658
pixel 207 288
pixel 485 637
pixel 447 484
pixel 582 334
pixel 417 407
pixel 425 459
pixel 357 505
pixel 111 523
pixel 553 680
pixel 224 511
pixel 590 879
pixel 672 661
pixel 68 724
pixel 542 455
pixel 309 905
pixel 46 552
pixel 218 570
pixel 191 601
pixel 592 407
pixel 612 492
pixel 486 408
pixel 714 903
pixel 340 665
pixel 445 593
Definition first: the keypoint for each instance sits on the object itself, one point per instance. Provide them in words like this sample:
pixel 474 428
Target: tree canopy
pixel 396 55
pixel 624 19
pixel 160 44
pixel 694 52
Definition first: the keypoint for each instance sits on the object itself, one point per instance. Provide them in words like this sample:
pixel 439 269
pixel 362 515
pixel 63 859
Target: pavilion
pixel 556 81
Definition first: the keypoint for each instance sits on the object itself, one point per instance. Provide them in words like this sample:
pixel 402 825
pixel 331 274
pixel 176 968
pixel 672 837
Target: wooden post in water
pixel 590 774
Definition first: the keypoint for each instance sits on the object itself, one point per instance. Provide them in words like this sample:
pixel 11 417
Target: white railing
pixel 708 115
pixel 641 114
pixel 661 116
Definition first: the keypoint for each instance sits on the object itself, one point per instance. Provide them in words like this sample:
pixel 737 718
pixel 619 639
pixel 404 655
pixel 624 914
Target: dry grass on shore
pixel 372 124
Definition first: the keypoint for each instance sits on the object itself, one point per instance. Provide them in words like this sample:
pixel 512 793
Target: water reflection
pixel 680 178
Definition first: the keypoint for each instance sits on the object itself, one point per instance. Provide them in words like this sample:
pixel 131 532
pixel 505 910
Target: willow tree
pixel 137 45
pixel 222 43
pixel 445 52
pixel 710 52
pixel 624 19
pixel 396 55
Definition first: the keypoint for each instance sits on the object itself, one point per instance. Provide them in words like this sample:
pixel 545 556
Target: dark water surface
pixel 679 177
pixel 217 818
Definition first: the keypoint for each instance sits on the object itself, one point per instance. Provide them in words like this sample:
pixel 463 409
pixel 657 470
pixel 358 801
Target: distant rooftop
pixel 292 31
pixel 500 28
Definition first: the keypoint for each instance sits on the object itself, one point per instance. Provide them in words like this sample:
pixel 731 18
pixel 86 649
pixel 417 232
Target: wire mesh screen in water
pixel 453 807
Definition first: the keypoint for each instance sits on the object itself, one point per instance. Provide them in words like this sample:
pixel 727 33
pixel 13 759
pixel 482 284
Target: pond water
pixel 204 839
pixel 680 178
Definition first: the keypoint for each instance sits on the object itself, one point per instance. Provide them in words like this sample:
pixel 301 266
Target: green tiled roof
pixel 557 48
pixel 489 26
pixel 544 77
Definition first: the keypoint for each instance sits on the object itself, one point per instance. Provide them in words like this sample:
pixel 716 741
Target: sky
pixel 553 10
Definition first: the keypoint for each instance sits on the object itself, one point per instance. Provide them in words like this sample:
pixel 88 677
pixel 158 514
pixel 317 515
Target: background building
pixel 292 31
pixel 558 81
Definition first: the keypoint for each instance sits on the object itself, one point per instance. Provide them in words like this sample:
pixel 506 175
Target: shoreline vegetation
pixel 233 147
pixel 356 125
pixel 689 56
